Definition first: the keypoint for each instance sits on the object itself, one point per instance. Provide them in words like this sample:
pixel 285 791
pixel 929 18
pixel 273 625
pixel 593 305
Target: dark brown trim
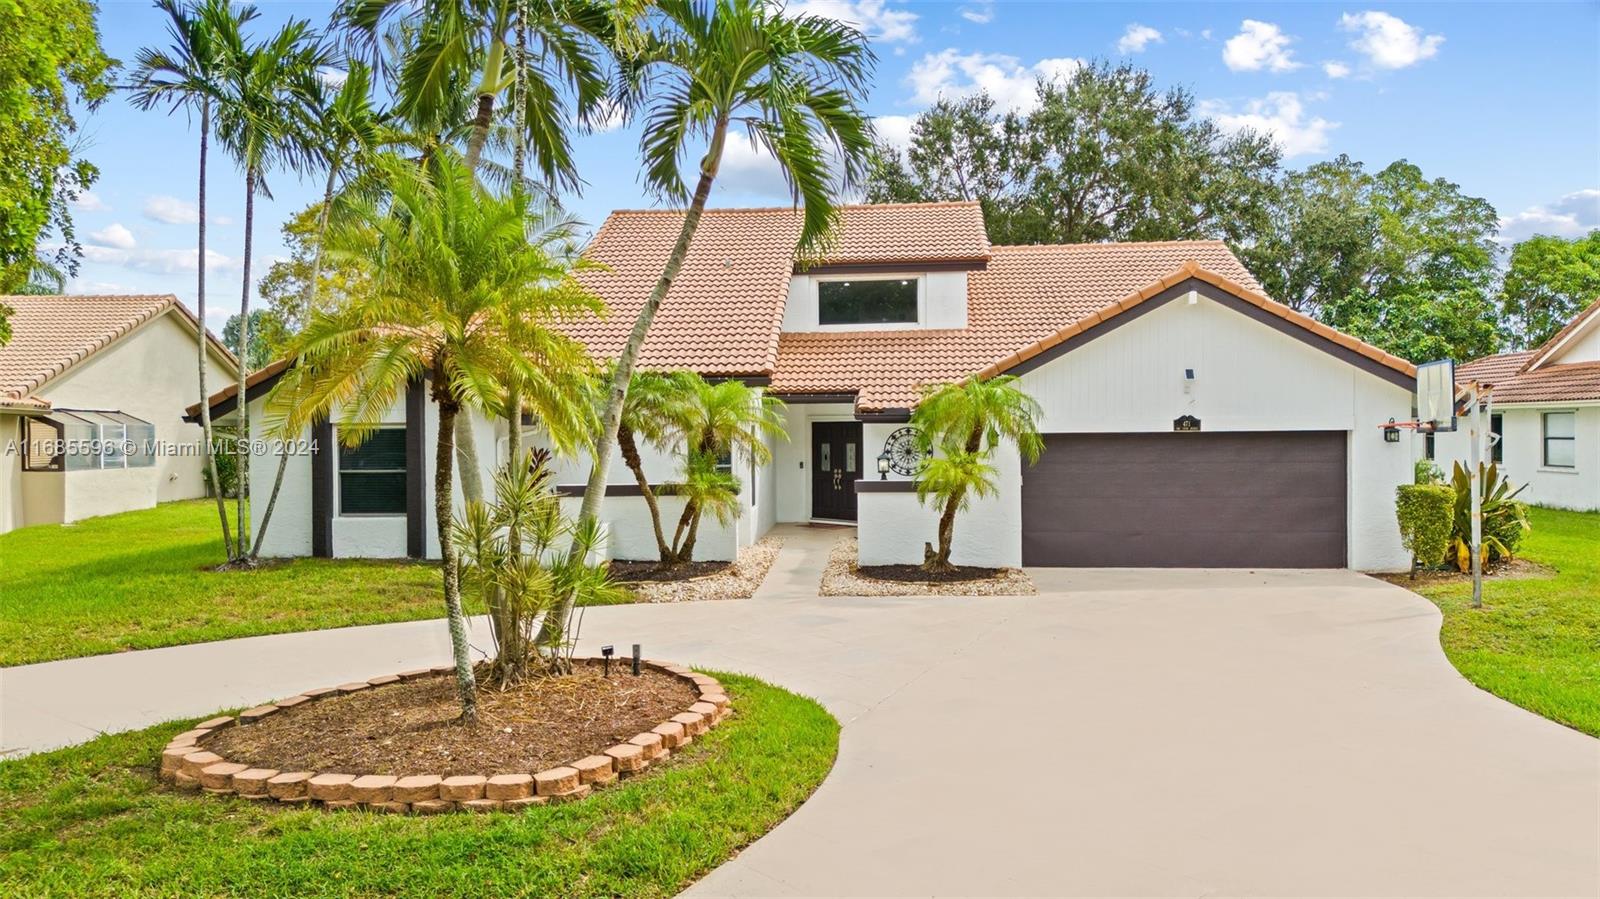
pixel 800 399
pixel 228 403
pixel 864 486
pixel 322 459
pixel 892 268
pixel 747 380
pixel 887 416
pixel 578 490
pixel 416 463
pixel 1217 294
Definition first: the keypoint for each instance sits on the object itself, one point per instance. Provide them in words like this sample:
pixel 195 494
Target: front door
pixel 835 468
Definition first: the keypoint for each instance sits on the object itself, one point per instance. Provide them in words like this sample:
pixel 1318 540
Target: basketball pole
pixel 1475 485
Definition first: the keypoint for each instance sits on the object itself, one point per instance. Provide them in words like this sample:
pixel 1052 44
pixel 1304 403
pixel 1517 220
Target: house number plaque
pixel 1186 423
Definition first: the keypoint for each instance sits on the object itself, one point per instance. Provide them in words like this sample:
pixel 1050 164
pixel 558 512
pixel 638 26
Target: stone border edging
pixel 188 765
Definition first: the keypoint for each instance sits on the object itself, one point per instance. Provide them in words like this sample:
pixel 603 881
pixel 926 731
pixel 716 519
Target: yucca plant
pixel 1503 522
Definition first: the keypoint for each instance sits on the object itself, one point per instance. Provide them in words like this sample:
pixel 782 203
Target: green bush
pixel 1425 472
pixel 1503 516
pixel 1425 512
pixel 1504 530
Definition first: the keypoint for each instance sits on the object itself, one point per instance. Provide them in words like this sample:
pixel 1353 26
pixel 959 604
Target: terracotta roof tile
pixel 50 334
pixel 1493 369
pixel 1537 356
pixel 1553 383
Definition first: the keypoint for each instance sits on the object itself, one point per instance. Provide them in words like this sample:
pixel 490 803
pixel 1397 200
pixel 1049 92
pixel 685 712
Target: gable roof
pixel 1548 351
pixel 51 334
pixel 1538 375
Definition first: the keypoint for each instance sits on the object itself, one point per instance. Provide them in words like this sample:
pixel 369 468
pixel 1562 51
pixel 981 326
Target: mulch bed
pixel 410 727
pixel 653 582
pixel 1512 570
pixel 843 577
pixel 655 572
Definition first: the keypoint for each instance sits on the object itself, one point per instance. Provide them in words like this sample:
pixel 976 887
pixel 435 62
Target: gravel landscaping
pixel 738 580
pixel 842 577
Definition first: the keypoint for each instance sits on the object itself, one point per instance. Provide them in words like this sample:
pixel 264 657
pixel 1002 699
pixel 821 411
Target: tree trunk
pixel 630 457
pixel 466 684
pixel 684 520
pixel 508 645
pixel 467 456
pixel 200 313
pixel 555 623
pixel 685 553
pixel 243 526
pixel 466 444
pixel 311 303
pixel 480 130
pixel 947 519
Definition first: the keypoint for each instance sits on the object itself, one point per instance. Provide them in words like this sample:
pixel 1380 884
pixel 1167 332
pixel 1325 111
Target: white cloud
pixel 1257 46
pixel 1335 69
pixel 1205 34
pixel 334 78
pixel 1574 215
pixel 982 12
pixel 1280 114
pixel 952 74
pixel 1388 42
pixel 114 235
pixel 157 261
pixel 895 130
pixel 89 201
pixel 171 210
pixel 1137 37
pixel 874 18
pixel 749 171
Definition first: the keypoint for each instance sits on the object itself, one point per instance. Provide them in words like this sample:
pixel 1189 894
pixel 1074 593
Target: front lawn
pixel 140 580
pixel 93 821
pixel 1536 642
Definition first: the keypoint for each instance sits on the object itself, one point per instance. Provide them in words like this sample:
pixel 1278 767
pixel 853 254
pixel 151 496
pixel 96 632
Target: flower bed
pixel 189 761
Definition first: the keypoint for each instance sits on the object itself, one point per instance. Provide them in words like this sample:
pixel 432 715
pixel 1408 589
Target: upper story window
pixel 372 476
pixel 868 301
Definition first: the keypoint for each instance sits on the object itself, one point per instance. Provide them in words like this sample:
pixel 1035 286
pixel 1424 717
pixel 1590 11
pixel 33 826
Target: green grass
pixel 92 821
pixel 1536 642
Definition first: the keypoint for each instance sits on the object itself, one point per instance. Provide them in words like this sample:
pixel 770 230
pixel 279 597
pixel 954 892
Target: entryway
pixel 835 468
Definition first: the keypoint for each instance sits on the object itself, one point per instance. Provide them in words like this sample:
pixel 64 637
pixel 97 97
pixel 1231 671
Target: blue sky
pixel 1503 99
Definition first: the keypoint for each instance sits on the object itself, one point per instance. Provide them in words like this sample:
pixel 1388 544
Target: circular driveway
pixel 1172 733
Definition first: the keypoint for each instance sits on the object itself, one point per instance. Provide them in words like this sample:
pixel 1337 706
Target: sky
pixel 1503 99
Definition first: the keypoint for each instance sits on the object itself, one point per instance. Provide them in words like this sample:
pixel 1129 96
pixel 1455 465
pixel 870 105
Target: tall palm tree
pixel 259 122
pixel 344 133
pixel 725 420
pixel 701 68
pixel 653 413
pixel 456 294
pixel 188 75
pixel 967 421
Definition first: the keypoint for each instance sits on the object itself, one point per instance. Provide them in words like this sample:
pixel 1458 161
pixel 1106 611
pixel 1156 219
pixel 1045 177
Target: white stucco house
pixel 93 391
pixel 1190 420
pixel 1544 405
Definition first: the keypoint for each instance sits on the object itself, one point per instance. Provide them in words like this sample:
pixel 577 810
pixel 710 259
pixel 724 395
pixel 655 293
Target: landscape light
pixel 606 651
pixel 635 660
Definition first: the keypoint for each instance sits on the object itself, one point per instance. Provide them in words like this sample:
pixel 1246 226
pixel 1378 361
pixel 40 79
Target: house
pixel 92 398
pixel 1190 420
pixel 1544 404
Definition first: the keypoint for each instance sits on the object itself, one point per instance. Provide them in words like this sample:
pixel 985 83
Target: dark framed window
pixel 871 301
pixel 1427 446
pixel 43 444
pixel 1561 439
pixel 1496 449
pixel 372 476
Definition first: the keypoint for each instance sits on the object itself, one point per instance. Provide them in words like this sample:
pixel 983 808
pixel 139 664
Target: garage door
pixel 1215 500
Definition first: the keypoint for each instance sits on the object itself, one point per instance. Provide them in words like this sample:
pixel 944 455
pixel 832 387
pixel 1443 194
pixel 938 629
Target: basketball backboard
pixel 1436 394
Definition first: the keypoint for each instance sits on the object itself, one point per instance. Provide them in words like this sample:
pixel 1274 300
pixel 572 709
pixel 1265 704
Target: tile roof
pixel 724 311
pixel 1552 383
pixel 50 334
pixel 1493 369
pixel 1542 351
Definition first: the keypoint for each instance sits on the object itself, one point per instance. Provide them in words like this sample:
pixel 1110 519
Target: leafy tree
pixel 286 286
pixel 1549 281
pixel 268 337
pixel 189 75
pixel 49 55
pixel 1322 238
pixel 967 422
pixel 454 293
pixel 792 82
pixel 1104 155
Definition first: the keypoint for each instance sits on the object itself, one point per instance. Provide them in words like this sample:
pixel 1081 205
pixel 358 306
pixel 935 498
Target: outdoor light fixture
pixel 883 466
pixel 1391 432
pixel 606 651
pixel 635 660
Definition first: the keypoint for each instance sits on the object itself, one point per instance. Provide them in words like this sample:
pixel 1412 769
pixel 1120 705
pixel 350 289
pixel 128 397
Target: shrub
pixel 1506 528
pixel 1502 516
pixel 1426 472
pixel 1425 512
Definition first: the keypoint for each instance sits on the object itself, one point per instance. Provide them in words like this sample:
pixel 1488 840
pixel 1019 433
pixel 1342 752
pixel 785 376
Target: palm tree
pixel 701 68
pixel 652 413
pixel 967 422
pixel 189 75
pixel 719 422
pixel 259 123
pixel 456 294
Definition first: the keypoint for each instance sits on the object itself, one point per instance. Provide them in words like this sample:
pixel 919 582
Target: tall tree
pixel 260 122
pixel 1549 281
pixel 792 83
pixel 49 55
pixel 457 295
pixel 1322 238
pixel 718 423
pixel 189 75
pixel 268 338
pixel 1102 155
pixel 285 288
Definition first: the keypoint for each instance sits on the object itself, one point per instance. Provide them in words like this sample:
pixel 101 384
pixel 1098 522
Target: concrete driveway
pixel 1137 733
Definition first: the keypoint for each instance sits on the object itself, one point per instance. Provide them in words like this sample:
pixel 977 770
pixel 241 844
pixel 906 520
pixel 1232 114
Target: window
pixel 1560 439
pixel 105 440
pixel 867 301
pixel 1497 449
pixel 372 476
pixel 43 446
pixel 1427 446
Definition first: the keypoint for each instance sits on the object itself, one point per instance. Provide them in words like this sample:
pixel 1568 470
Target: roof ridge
pixel 9 297
pixel 1112 243
pixel 934 204
pixel 1543 349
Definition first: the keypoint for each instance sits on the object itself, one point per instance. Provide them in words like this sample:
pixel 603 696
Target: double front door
pixel 835 468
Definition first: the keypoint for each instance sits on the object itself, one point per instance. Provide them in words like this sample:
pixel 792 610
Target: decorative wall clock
pixel 908 451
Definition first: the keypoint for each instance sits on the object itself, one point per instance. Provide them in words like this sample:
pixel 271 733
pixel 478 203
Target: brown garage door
pixel 1218 500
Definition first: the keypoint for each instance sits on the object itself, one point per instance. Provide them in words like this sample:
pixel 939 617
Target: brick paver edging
pixel 188 765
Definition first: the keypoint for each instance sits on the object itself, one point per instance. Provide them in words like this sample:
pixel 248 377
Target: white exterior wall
pixel 1522 449
pixel 1249 377
pixel 941 301
pixel 791 462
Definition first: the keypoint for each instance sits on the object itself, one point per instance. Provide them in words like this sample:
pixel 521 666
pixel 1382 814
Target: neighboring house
pixel 92 398
pixel 1545 406
pixel 1190 420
